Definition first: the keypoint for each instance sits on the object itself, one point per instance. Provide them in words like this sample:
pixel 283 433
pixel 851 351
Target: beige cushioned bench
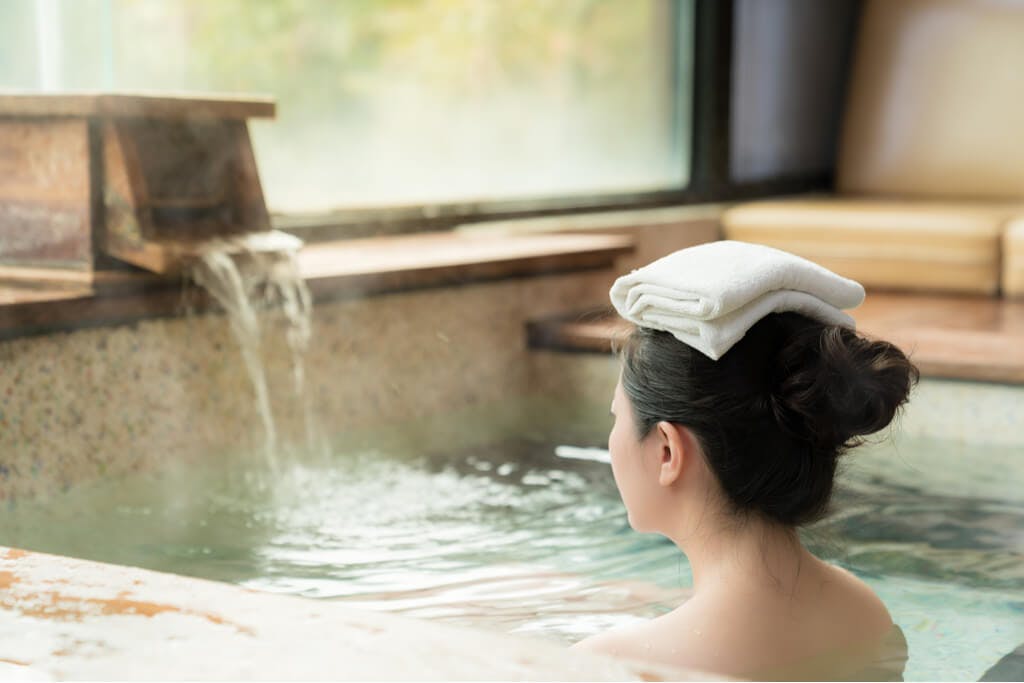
pixel 931 158
pixel 884 243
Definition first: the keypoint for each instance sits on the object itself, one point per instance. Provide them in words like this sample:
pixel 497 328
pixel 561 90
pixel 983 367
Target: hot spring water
pixel 260 290
pixel 526 534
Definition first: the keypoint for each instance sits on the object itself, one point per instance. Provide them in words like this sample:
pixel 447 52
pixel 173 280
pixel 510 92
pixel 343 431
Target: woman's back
pixel 827 625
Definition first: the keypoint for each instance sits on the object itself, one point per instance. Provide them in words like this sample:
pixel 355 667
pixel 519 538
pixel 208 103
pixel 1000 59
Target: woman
pixel 728 458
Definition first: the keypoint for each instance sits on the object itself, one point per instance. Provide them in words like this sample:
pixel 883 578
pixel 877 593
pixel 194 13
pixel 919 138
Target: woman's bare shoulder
pixel 618 642
pixel 837 620
pixel 675 639
pixel 654 640
pixel 864 610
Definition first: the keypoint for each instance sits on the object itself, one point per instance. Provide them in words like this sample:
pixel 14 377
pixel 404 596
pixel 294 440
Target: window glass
pixel 393 102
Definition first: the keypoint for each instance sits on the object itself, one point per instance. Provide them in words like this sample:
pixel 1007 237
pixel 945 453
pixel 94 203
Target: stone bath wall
pixel 98 402
pixel 951 410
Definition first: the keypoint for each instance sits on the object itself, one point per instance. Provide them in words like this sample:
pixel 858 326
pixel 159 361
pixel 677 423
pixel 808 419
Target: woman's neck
pixel 738 555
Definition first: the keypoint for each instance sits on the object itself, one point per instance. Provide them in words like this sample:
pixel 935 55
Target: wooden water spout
pixel 148 180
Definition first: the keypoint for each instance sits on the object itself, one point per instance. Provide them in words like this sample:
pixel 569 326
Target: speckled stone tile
pixel 573 376
pixel 973 412
pixel 98 402
pixel 959 411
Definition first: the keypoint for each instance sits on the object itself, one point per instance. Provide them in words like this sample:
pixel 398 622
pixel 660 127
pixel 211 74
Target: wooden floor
pixel 962 337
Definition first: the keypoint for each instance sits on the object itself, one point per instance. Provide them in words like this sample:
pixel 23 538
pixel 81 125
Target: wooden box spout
pixel 146 180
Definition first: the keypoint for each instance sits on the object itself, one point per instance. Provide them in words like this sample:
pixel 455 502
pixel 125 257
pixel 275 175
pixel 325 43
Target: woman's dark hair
pixel 775 413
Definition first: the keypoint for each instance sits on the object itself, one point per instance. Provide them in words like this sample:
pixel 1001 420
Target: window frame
pixel 709 178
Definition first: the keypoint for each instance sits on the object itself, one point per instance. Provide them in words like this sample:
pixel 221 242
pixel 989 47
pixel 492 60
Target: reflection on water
pixel 514 538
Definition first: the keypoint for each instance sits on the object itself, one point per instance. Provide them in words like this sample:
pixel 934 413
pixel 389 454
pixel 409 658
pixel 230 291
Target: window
pixel 399 102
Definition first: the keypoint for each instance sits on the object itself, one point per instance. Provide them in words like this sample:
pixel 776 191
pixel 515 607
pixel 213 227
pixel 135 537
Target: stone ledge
pixel 587 332
pixel 68 619
pixel 341 269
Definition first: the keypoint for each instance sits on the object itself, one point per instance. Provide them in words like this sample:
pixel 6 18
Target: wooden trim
pixel 128 105
pixel 40 277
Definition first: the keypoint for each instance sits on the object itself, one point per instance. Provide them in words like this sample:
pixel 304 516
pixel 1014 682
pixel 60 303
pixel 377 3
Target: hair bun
pixel 835 386
pixel 774 414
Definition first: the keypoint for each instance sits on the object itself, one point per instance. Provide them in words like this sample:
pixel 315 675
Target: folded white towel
pixel 708 296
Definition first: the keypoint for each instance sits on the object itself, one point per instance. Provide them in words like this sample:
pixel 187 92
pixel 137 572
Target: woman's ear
pixel 676 450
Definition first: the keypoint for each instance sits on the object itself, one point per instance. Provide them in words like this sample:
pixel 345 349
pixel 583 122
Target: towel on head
pixel 708 296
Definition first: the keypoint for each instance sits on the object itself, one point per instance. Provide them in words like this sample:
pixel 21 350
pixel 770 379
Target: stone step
pixel 591 331
pixel 958 337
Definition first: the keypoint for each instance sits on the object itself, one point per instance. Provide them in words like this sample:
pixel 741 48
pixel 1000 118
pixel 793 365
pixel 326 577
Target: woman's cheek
pixel 624 471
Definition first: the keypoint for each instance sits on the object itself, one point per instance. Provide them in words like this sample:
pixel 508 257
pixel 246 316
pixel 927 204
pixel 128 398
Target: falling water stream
pixel 256 288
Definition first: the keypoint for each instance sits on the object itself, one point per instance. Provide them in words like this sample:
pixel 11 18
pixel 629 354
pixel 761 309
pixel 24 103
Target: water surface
pixel 513 538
